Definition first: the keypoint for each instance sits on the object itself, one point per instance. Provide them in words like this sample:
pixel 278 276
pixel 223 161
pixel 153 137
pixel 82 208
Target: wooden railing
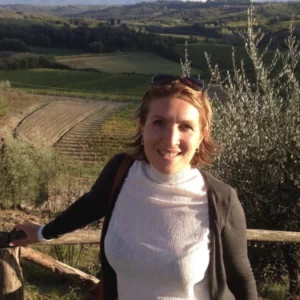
pixel 12 287
pixel 93 237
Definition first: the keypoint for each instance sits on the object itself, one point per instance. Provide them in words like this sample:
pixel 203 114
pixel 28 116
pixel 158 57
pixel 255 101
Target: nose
pixel 172 136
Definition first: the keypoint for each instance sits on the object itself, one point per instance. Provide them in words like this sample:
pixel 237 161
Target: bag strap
pixel 122 169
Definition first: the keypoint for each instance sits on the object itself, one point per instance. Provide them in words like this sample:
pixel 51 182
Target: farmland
pixel 87 132
pixel 78 81
pixel 46 125
pixel 136 62
pixel 220 54
pixel 114 134
pixel 186 37
pixel 79 142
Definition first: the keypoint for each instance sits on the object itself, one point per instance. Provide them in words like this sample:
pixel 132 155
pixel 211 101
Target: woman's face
pixel 171 134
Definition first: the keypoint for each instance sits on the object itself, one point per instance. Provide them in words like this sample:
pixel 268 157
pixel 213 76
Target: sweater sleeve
pixel 240 278
pixel 90 207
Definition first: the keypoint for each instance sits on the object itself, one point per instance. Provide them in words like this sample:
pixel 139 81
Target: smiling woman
pixel 171 134
pixel 171 230
pixel 177 118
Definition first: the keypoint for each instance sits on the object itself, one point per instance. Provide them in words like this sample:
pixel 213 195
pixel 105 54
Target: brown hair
pixel 199 99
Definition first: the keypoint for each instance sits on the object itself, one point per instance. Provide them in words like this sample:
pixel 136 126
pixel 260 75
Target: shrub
pixel 4 85
pixel 258 128
pixel 16 61
pixel 3 105
pixel 25 173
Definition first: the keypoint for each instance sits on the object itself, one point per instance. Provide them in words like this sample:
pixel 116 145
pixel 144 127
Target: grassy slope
pixel 185 36
pixel 220 54
pixel 137 62
pixel 77 81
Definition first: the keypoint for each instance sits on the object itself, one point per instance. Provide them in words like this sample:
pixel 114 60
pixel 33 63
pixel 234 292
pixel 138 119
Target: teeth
pixel 168 154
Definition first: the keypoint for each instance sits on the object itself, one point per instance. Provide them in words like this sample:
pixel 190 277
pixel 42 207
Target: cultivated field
pixel 186 36
pixel 137 62
pixel 85 132
pixel 79 142
pixel 79 82
pixel 220 54
pixel 113 136
pixel 48 124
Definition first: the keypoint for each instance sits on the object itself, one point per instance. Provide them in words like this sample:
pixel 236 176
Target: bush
pixel 3 105
pixel 4 85
pixel 258 128
pixel 25 173
pixel 16 61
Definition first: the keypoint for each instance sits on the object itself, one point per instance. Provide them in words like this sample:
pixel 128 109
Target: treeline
pixel 166 9
pixel 16 61
pixel 101 39
pixel 192 12
pixel 220 20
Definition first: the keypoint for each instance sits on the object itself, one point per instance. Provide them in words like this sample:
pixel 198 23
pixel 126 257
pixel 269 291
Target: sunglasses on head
pixel 192 82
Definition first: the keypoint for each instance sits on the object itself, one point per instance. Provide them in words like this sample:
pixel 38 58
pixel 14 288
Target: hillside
pixel 72 2
pixel 179 12
pixel 129 62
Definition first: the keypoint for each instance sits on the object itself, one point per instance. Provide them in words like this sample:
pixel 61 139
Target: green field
pixel 23 22
pixel 136 62
pixel 220 54
pixel 77 81
pixel 186 36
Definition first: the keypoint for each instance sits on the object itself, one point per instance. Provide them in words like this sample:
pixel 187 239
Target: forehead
pixel 173 107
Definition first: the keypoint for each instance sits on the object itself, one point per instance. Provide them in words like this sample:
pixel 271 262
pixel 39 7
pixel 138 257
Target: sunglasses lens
pixel 192 82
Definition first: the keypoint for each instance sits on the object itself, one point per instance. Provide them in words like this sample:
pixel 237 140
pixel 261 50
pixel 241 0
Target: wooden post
pixel 11 277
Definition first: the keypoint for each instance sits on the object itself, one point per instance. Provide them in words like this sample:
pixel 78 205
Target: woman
pixel 171 230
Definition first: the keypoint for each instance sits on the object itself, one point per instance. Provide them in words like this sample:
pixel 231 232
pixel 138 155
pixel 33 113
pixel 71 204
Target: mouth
pixel 168 154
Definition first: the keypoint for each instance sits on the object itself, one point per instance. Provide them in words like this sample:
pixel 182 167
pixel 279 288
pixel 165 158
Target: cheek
pixel 192 140
pixel 150 133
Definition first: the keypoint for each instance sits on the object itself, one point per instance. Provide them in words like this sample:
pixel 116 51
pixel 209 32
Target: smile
pixel 168 154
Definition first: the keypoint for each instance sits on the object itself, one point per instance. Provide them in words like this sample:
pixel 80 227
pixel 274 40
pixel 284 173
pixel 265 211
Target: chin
pixel 167 170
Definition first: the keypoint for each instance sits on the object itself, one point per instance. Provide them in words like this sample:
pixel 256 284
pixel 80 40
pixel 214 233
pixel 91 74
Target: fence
pixel 11 279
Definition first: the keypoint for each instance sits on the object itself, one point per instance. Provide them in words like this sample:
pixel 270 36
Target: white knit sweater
pixel 158 237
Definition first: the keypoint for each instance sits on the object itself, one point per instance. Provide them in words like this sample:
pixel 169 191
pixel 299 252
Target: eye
pixel 158 123
pixel 186 127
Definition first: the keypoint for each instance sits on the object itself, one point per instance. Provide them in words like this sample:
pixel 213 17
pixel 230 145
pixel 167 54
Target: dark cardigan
pixel 230 274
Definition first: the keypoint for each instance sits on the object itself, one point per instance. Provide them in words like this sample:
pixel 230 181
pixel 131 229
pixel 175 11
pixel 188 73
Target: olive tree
pixel 258 129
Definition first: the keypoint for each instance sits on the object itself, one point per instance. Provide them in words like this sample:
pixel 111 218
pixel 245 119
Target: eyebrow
pixel 165 119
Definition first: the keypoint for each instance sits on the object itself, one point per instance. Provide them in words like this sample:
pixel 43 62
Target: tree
pixel 94 47
pixel 13 45
pixel 258 128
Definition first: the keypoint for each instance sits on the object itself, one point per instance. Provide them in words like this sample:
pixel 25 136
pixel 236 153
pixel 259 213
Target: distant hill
pixel 72 2
pixel 98 2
